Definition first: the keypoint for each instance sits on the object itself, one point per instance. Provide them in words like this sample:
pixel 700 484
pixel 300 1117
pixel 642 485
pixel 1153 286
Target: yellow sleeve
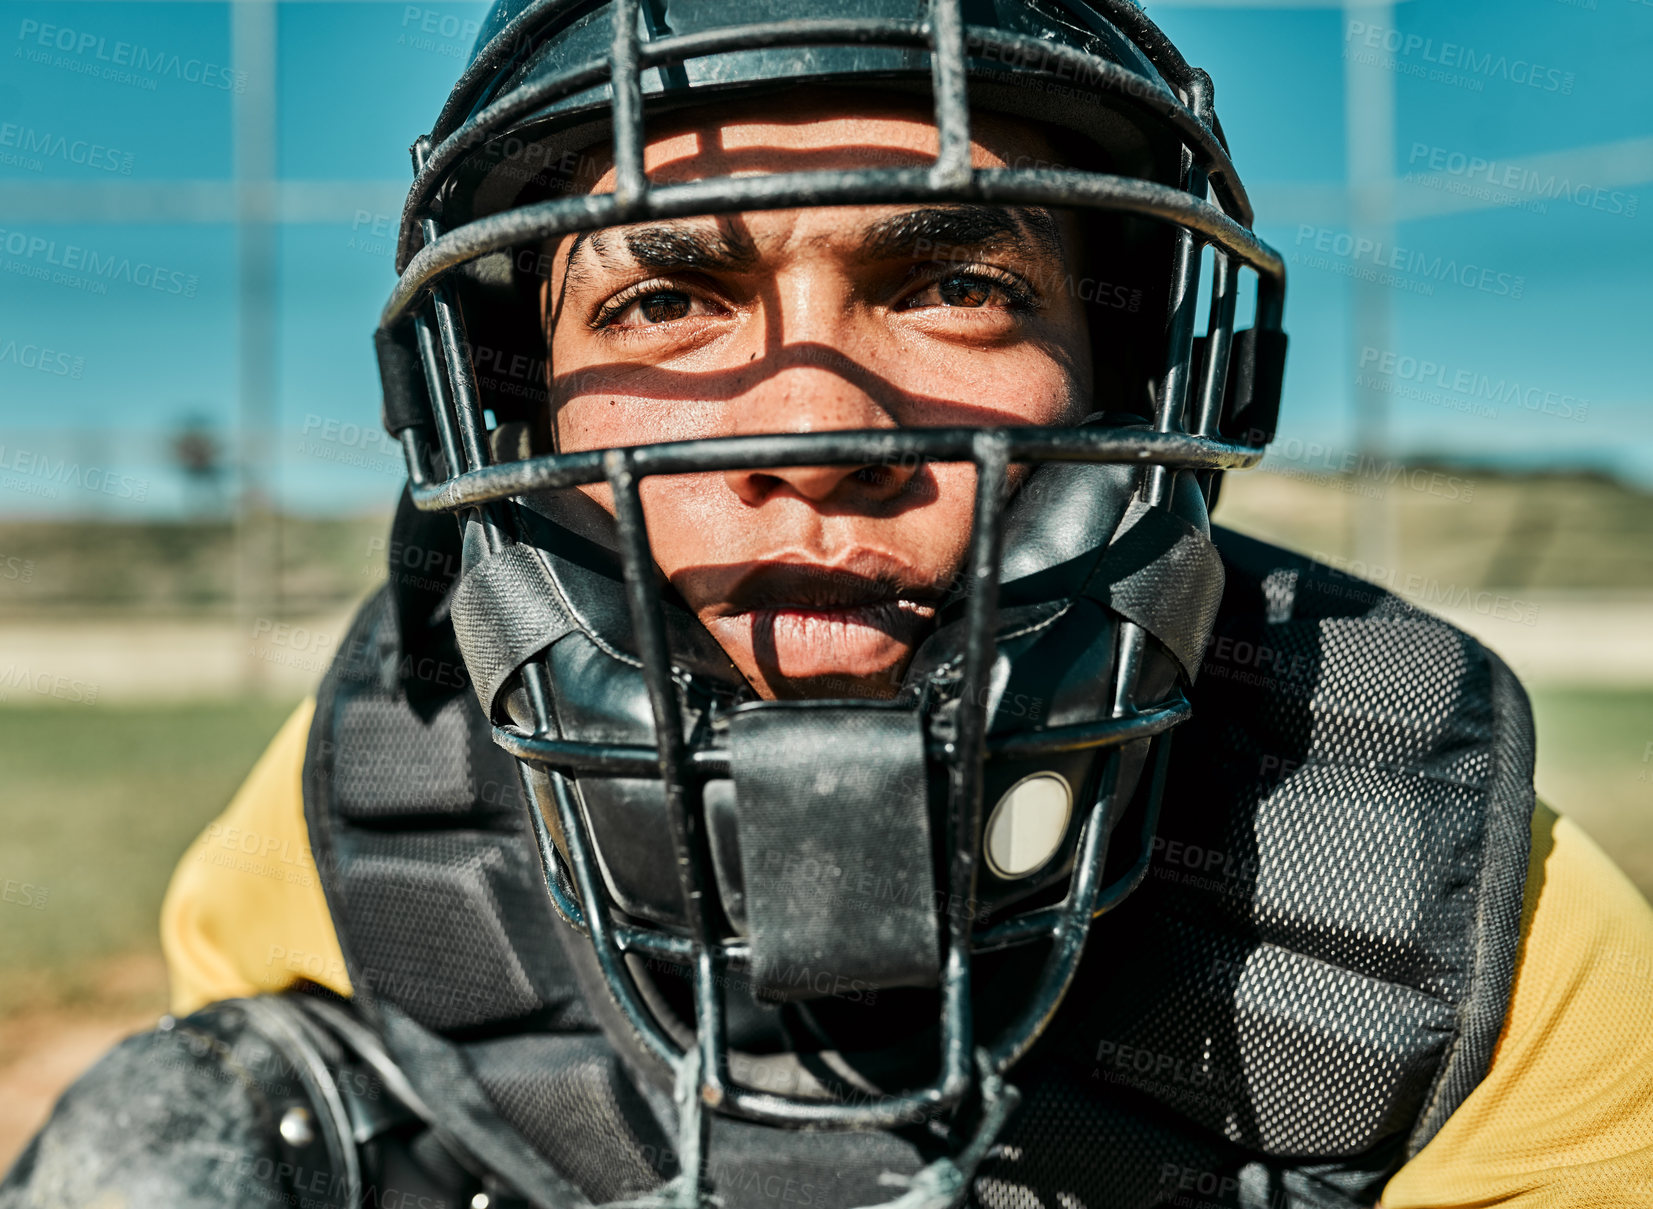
pixel 244 912
pixel 1564 1118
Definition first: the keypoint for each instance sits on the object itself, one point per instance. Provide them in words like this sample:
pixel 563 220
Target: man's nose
pixel 815 399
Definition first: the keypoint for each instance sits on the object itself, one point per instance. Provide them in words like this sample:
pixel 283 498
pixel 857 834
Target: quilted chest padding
pixel 574 1104
pixel 1385 884
pixel 420 829
pixel 459 967
pixel 1294 972
pixel 1332 1062
pixel 390 764
pixel 1083 1138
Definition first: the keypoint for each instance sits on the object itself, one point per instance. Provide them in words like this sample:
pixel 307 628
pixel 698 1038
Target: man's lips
pixel 902 620
pixel 804 644
pixel 805 620
pixel 862 582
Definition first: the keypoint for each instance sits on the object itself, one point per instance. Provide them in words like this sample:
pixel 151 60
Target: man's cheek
pixel 596 418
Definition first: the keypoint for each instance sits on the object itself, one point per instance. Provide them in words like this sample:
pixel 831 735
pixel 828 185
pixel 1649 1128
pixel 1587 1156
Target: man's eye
pixel 968 290
pixel 648 308
pixel 664 306
pixel 661 306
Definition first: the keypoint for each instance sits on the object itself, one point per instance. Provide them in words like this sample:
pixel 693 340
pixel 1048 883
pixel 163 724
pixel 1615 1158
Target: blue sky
pixel 97 369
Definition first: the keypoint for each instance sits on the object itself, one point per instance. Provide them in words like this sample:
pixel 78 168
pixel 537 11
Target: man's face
pixel 816 580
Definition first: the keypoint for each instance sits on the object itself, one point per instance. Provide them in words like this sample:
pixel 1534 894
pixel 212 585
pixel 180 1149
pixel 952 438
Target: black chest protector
pixel 1308 983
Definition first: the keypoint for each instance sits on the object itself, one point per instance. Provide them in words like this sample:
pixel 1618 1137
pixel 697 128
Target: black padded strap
pixel 1166 576
pixel 440 1076
pixel 1256 374
pixel 1251 395
pixel 402 378
pixel 505 611
pixel 834 827
pixel 284 1026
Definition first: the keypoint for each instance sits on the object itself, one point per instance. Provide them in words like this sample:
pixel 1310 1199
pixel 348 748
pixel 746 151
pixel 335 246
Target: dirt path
pixel 150 659
pixel 45 1047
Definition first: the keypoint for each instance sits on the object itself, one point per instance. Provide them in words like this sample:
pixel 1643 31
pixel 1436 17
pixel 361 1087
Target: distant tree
pixel 199 456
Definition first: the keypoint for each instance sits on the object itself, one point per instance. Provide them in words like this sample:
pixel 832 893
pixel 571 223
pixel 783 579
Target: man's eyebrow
pixel 575 271
pixel 672 246
pixel 942 231
pixel 937 231
pixel 675 247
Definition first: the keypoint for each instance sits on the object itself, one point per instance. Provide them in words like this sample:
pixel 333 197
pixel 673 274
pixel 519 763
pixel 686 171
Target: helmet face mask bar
pixel 692 741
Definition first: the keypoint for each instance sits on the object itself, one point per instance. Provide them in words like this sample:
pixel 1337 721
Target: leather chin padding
pixel 834 826
pixel 576 536
pixel 1056 526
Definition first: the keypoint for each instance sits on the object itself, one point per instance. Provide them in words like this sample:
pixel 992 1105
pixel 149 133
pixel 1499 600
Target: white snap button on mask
pixel 1026 827
pixel 298 1127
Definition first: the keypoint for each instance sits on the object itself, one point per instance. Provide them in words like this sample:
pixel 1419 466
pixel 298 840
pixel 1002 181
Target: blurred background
pixel 197 212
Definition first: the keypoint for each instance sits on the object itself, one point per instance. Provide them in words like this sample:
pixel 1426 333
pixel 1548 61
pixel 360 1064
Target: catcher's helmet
pixel 687 826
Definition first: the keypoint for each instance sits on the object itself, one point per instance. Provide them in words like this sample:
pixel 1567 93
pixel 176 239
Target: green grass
pixel 1471 528
pixel 98 805
pixel 1595 763
pixel 51 568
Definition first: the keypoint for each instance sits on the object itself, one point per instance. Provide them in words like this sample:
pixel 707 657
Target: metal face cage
pixel 1215 398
